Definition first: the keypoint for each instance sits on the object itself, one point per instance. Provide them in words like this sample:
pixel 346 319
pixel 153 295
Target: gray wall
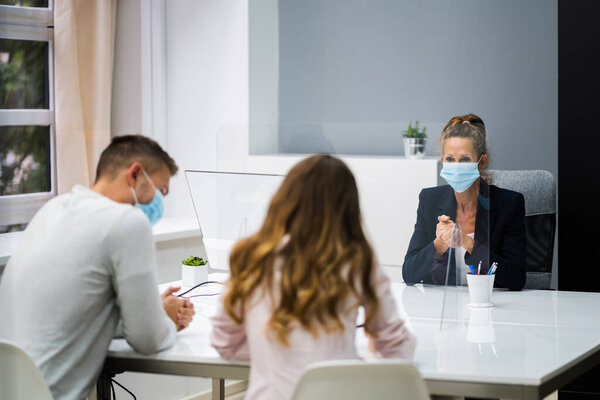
pixel 353 73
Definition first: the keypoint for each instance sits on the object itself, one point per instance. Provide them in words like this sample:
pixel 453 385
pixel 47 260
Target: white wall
pixel 131 113
pixel 205 80
pixel 207 83
pixel 126 100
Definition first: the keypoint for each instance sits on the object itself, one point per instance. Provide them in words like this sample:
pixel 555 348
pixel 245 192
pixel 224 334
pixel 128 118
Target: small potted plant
pixel 414 141
pixel 194 270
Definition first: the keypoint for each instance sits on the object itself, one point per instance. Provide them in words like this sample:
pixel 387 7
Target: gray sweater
pixel 84 263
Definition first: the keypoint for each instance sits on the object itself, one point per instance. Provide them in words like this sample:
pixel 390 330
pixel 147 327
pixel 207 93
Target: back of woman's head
pixel 317 202
pixel 317 206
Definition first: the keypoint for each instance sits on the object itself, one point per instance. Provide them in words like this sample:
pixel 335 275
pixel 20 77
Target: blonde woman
pixel 297 284
pixel 491 219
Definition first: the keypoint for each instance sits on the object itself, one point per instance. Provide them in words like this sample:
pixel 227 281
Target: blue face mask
pixel 460 175
pixel 155 209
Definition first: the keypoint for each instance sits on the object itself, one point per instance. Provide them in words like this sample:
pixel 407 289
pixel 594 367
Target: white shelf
pixel 8 243
pixel 175 228
pixel 166 229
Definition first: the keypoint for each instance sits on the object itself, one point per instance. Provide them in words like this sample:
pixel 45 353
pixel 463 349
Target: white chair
pixel 355 379
pixel 19 377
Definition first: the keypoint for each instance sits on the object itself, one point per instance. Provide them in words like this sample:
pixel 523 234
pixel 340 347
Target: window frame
pixel 28 16
pixel 35 24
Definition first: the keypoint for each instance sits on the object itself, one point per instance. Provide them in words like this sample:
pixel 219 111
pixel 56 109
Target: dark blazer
pixel 506 245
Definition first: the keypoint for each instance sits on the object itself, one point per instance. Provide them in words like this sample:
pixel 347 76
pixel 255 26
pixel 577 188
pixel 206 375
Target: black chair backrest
pixel 539 189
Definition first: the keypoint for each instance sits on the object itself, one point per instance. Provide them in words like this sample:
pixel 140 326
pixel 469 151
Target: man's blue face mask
pixel 155 209
pixel 460 175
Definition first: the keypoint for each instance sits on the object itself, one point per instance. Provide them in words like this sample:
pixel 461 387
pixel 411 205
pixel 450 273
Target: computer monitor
pixel 229 206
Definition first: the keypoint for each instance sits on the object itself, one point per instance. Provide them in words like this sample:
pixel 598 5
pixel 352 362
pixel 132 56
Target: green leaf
pixel 194 261
pixel 414 132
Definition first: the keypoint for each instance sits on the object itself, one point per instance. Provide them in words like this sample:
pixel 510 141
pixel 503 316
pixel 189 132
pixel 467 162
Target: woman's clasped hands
pixel 448 234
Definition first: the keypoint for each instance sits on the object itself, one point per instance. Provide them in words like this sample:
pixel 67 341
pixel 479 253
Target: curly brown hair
pixel 317 205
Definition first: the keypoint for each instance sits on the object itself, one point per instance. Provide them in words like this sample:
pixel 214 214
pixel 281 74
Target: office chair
pixel 355 379
pixel 19 377
pixel 539 189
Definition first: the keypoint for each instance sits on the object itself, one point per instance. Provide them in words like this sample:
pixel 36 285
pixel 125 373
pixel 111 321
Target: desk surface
pixel 530 344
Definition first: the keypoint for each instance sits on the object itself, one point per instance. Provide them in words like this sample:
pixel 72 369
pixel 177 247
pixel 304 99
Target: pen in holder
pixel 480 290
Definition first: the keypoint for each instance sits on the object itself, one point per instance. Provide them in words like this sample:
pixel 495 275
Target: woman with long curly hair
pixel 297 284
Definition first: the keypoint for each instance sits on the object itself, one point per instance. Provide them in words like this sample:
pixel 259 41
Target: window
pixel 27 167
pixel 25 3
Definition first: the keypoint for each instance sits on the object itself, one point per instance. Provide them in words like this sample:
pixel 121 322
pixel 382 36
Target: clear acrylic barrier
pixel 389 201
pixel 389 186
pixel 468 253
pixel 229 206
pixel 350 139
pixel 453 304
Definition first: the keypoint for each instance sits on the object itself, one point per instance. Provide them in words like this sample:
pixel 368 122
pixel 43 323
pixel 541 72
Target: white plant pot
pixel 414 147
pixel 192 275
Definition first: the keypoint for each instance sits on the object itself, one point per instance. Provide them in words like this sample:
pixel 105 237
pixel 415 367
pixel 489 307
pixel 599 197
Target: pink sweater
pixel 275 369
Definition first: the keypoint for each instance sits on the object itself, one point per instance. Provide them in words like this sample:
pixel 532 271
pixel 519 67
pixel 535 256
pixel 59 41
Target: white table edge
pixel 438 384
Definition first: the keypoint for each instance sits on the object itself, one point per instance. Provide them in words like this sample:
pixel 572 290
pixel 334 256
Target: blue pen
pixel 472 269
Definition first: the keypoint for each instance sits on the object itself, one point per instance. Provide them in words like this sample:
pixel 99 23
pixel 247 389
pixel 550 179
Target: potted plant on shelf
pixel 414 141
pixel 194 270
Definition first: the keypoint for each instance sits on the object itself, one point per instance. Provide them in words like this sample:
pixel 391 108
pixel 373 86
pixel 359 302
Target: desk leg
pixel 103 389
pixel 218 389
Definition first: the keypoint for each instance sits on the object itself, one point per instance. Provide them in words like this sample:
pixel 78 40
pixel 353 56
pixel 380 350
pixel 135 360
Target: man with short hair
pixel 86 264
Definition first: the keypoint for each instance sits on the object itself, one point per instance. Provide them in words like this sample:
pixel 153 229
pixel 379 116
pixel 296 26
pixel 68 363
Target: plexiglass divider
pixel 248 147
pixel 465 263
pixel 351 139
pixel 446 269
pixel 229 206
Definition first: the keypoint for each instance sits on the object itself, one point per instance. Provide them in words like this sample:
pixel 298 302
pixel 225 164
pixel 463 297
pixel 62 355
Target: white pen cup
pixel 480 290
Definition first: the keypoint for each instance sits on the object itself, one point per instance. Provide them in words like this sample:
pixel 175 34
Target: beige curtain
pixel 84 33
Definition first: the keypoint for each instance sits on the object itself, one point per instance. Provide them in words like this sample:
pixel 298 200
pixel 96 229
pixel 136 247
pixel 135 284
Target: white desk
pixel 531 344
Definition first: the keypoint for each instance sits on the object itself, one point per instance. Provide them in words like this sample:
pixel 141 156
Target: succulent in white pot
pixel 194 270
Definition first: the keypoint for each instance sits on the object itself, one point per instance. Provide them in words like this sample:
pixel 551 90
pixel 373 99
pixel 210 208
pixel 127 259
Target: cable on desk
pixel 203 295
pixel 197 286
pixel 108 376
pixel 122 387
